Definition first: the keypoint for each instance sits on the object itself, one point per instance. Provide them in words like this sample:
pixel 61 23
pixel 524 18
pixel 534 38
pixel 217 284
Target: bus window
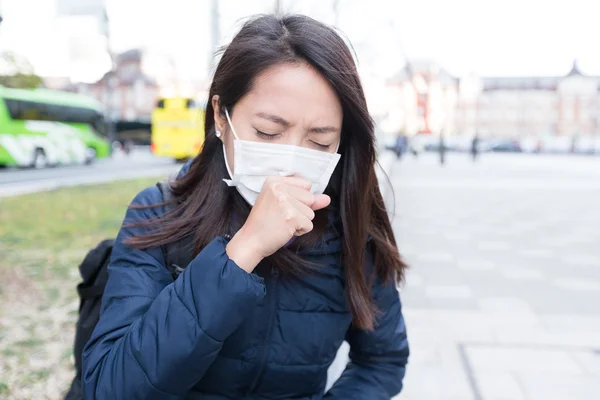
pixel 14 108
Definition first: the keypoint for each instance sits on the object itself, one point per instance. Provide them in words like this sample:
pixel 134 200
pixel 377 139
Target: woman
pixel 294 252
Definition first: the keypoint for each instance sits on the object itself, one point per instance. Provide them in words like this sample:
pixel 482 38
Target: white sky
pixel 487 37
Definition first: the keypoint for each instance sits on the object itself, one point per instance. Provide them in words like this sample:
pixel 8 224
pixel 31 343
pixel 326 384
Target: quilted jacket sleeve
pixel 377 359
pixel 156 338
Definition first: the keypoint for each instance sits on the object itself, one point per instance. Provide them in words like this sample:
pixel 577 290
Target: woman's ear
pixel 220 122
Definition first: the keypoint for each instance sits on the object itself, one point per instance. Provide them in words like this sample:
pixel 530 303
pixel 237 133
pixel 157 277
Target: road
pixel 140 163
pixel 502 298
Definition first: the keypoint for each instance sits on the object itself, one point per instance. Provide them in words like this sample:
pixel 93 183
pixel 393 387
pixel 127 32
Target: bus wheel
pixel 40 160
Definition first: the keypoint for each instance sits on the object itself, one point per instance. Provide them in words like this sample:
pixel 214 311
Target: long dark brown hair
pixel 208 208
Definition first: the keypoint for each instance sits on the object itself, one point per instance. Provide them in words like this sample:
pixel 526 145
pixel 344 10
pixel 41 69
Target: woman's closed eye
pixel 272 136
pixel 266 136
pixel 321 146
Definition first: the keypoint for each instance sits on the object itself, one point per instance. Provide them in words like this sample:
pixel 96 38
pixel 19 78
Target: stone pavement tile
pixel 436 274
pixel 505 305
pixel 548 299
pixel 450 358
pixel 415 298
pixel 499 385
pixel 577 284
pixel 448 291
pixel 560 386
pixel 571 323
pixel 424 233
pixel 495 321
pixel 542 337
pixel 523 274
pixel 560 301
pixel 492 246
pixel 475 264
pixel 443 354
pixel 554 242
pixel 452 304
pixel 589 360
pixel 465 330
pixel 423 334
pixel 433 257
pixel 424 355
pixel 581 260
pixel 477 333
pixel 521 360
pixel 539 253
pixel 434 383
pixel 414 279
pixel 456 236
pixel 489 284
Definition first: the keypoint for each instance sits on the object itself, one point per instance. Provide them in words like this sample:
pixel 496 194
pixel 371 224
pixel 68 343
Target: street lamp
pixel 112 77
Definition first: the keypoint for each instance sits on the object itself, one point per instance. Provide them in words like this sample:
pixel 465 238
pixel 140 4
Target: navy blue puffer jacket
pixel 218 333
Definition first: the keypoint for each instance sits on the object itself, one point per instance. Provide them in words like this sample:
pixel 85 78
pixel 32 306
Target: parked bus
pixel 40 127
pixel 177 128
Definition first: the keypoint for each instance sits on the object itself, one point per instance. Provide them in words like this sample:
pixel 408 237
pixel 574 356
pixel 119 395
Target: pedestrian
pixel 294 250
pixel 128 146
pixel 442 149
pixel 475 147
pixel 400 146
pixel 413 145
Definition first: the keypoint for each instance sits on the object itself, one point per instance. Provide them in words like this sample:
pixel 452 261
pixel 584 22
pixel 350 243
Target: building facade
pixel 428 99
pixel 127 92
pixel 424 98
pixel 540 106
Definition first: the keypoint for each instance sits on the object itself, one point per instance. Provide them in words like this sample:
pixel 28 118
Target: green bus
pixel 41 127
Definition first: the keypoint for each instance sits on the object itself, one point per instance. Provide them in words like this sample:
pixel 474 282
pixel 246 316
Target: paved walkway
pixel 503 297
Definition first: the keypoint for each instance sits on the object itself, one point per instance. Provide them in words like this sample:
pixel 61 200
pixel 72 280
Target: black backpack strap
pixel 180 253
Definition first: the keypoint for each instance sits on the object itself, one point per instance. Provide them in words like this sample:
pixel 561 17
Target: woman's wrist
pixel 242 250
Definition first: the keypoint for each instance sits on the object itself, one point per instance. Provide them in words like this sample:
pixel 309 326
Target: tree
pixel 17 72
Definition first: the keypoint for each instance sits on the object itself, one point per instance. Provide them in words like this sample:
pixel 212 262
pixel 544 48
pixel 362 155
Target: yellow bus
pixel 177 128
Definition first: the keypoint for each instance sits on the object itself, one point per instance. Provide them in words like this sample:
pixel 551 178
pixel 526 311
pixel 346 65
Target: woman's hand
pixel 285 208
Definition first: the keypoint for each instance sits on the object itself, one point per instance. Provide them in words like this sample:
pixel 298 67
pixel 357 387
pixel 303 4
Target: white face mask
pixel 255 161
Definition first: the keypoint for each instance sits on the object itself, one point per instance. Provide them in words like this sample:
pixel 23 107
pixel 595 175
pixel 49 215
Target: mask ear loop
pixel 231 124
pixel 225 150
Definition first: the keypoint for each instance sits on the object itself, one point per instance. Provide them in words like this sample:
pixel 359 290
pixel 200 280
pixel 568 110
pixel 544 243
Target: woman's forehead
pixel 296 90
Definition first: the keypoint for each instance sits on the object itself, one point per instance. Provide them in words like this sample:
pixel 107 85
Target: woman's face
pixel 288 104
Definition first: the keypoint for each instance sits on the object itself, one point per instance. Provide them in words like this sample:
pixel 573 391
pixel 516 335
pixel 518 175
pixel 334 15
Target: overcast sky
pixel 486 37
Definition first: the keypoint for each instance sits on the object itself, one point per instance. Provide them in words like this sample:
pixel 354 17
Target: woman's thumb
pixel 321 201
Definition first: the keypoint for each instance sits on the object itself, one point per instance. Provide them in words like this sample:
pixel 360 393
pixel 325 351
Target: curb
pixel 50 184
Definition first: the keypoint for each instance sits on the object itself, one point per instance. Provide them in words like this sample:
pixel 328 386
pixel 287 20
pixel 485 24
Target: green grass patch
pixel 43 239
pixel 3 388
pixel 47 234
pixel 28 343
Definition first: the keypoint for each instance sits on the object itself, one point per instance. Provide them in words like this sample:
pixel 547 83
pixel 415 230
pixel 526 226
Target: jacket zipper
pixel 272 304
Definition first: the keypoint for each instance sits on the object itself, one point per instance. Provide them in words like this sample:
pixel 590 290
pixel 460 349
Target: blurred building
pixel 56 82
pixel 540 106
pixel 425 98
pixel 128 92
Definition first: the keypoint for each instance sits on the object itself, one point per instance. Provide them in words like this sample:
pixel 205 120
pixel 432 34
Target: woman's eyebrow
pixel 324 129
pixel 273 118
